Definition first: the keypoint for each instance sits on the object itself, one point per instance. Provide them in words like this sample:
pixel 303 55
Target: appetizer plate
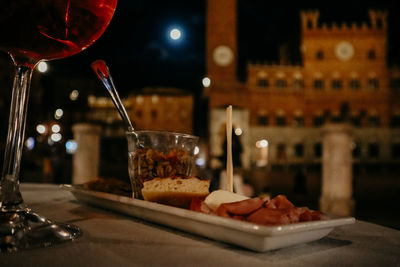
pixel 251 236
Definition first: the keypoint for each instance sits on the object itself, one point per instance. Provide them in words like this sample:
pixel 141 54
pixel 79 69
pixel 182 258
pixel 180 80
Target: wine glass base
pixel 23 229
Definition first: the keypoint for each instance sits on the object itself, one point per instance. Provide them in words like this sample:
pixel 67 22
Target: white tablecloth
pixel 110 239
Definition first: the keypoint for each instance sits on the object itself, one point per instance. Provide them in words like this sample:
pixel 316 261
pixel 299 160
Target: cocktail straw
pixel 229 163
pixel 100 68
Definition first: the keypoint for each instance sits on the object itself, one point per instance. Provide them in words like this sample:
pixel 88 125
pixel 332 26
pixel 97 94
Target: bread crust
pixel 175 191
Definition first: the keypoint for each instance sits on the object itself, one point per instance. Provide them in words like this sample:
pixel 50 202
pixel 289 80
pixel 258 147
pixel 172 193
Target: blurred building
pixel 167 109
pixel 280 108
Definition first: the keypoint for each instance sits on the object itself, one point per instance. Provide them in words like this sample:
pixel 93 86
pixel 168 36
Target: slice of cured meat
pixel 274 216
pixel 279 202
pixel 310 215
pixel 243 207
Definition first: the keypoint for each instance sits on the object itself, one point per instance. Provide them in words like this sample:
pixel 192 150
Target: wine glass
pixel 32 31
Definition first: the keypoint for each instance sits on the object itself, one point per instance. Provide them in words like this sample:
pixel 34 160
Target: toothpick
pixel 229 163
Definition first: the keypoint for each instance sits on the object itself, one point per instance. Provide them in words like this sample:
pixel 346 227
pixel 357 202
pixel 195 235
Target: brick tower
pixel 221 42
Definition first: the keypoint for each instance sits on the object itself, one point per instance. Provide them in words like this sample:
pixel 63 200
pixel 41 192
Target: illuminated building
pixel 343 68
pixel 167 109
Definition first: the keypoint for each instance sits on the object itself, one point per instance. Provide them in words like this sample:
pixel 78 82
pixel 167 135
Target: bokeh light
pixel 30 143
pixel 42 67
pixel 238 131
pixel 74 95
pixel 56 137
pixel 200 162
pixel 206 82
pixel 55 128
pixel 71 146
pixel 40 128
pixel 58 114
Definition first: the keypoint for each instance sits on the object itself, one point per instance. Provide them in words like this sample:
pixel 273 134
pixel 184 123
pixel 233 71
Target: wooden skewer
pixel 229 163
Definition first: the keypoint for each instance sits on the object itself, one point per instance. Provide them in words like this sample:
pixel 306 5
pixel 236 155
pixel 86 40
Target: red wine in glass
pixel 36 30
pixel 31 31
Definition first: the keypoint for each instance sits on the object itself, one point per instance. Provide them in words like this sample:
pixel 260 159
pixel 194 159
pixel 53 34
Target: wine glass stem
pixel 10 196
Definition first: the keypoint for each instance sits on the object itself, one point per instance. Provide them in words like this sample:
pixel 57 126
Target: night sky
pixel 139 53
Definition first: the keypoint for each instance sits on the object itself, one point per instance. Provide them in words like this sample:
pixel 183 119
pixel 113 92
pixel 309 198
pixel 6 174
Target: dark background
pixel 137 48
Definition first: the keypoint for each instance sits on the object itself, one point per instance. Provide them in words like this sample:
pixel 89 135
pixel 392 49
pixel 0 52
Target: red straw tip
pixel 99 66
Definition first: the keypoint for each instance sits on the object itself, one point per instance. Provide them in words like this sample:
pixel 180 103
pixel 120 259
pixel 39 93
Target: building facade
pixel 280 108
pixel 167 109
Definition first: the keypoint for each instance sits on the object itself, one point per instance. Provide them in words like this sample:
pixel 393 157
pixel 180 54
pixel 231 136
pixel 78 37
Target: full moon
pixel 175 34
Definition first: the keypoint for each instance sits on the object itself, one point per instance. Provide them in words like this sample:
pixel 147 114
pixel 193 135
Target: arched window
pixel 373 120
pixel 317 150
pixel 153 114
pixel 373 150
pixel 335 117
pixel 371 54
pixel 373 84
pixel 298 84
pixel 299 150
pixel 262 79
pixel 379 23
pixel 298 121
pixel 337 84
pixel 281 151
pixel 262 120
pixel 354 84
pixel 355 120
pixel 319 55
pixel 356 150
pixel 318 84
pixel 309 24
pixel 280 120
pixel 263 82
pixel 281 83
pixel 318 120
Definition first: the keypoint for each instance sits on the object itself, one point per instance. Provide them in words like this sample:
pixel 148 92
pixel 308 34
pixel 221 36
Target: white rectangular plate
pixel 251 236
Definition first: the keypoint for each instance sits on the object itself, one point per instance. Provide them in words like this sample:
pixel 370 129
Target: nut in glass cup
pixel 158 154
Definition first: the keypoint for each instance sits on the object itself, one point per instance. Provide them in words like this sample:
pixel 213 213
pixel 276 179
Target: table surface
pixel 111 239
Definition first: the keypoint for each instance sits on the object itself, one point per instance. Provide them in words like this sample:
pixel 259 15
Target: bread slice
pixel 175 191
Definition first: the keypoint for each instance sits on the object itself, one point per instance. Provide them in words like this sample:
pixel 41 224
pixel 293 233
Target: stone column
pixel 337 174
pixel 85 163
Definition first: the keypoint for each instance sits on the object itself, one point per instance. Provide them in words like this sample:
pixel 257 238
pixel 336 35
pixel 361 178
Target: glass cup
pixel 155 154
